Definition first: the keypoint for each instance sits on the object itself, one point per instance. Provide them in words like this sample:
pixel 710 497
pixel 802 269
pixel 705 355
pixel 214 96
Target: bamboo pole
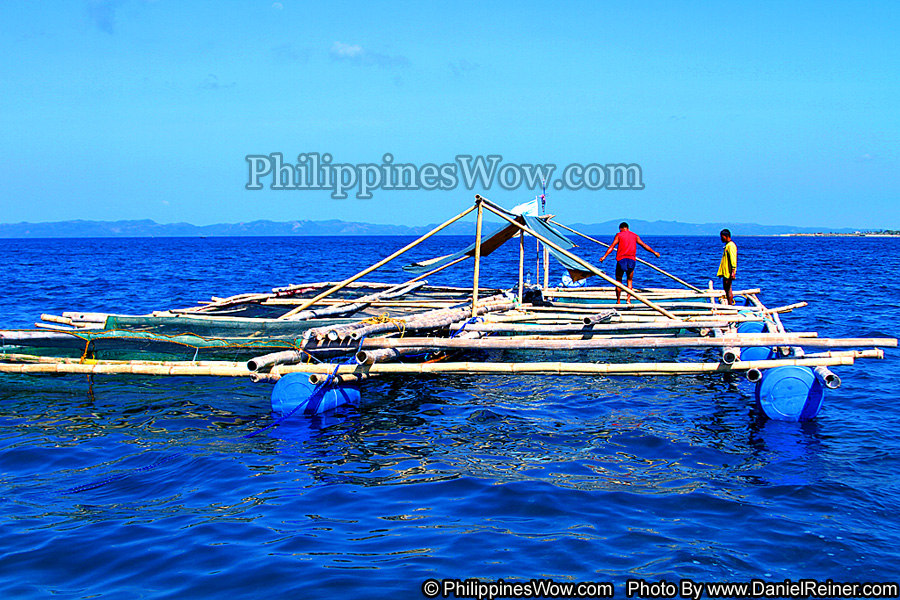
pixel 542 368
pixel 571 318
pixel 827 378
pixel 664 304
pixel 870 353
pixel 536 315
pixel 318 378
pixel 368 357
pixel 491 207
pixel 346 309
pixel 656 293
pixel 599 317
pixel 56 319
pixel 285 357
pixel 546 268
pixel 389 354
pixel 15 358
pixel 779 327
pixel 376 304
pixel 424 320
pixel 586 329
pixel 625 309
pixel 640 260
pixel 377 265
pixel 30 358
pixel 433 320
pixel 741 340
pixel 521 265
pixel 477 257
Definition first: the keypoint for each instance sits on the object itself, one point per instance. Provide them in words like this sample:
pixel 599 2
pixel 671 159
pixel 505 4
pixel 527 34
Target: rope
pixel 384 318
pixel 87 351
pixel 92 486
pixel 283 418
pixel 472 320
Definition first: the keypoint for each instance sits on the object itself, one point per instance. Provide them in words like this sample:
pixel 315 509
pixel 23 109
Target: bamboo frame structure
pixel 378 328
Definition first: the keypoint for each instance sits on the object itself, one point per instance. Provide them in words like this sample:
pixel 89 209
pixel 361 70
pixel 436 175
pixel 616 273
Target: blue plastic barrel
pixel 790 394
pixel 294 389
pixel 755 352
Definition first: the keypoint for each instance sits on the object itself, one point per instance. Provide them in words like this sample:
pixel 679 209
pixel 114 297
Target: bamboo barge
pixel 317 341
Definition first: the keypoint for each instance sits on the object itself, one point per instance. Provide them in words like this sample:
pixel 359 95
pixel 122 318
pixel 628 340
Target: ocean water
pixel 519 478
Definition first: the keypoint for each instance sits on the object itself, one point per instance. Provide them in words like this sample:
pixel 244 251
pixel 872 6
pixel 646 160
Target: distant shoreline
pixel 335 227
pixel 896 235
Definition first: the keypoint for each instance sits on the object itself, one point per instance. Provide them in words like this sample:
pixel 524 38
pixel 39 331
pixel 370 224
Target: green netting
pixel 118 344
pixel 221 327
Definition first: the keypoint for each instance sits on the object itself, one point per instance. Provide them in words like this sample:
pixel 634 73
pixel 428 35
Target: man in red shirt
pixel 626 256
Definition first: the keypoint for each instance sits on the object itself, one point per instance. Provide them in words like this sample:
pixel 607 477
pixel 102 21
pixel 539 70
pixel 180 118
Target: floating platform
pixel 324 338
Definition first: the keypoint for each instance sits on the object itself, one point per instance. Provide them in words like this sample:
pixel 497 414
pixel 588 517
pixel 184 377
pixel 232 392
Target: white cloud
pixel 357 54
pixel 341 50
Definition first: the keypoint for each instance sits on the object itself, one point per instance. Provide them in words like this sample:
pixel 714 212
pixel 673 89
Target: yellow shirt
pixel 728 264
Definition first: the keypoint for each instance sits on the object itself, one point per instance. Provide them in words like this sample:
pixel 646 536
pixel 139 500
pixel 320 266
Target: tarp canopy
pixel 576 271
pixel 488 245
pixel 503 235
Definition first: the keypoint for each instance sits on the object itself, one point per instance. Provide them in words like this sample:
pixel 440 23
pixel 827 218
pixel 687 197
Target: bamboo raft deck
pixel 341 332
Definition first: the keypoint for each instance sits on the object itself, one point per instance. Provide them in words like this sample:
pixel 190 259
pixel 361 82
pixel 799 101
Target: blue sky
pixel 774 113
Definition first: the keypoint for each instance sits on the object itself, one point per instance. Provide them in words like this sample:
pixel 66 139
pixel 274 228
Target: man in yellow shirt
pixel 728 264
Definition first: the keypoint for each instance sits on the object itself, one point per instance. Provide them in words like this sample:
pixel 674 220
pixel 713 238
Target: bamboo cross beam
pixel 655 294
pixel 586 329
pixel 762 339
pixel 377 265
pixel 541 368
pixel 640 260
pixel 14 358
pixel 400 304
pixel 497 211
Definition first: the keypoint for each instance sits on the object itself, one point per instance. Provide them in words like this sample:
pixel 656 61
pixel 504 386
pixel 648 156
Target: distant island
pixel 262 228
pixel 879 233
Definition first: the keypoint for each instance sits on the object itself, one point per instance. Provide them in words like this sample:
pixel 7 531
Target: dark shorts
pixel 626 265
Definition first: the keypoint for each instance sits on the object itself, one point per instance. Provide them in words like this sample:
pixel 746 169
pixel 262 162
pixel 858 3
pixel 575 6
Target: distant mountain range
pixel 148 228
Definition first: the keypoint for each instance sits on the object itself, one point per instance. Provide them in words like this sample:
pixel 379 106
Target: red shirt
pixel 627 247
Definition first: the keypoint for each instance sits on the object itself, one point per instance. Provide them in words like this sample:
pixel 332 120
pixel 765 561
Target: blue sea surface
pixel 570 478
